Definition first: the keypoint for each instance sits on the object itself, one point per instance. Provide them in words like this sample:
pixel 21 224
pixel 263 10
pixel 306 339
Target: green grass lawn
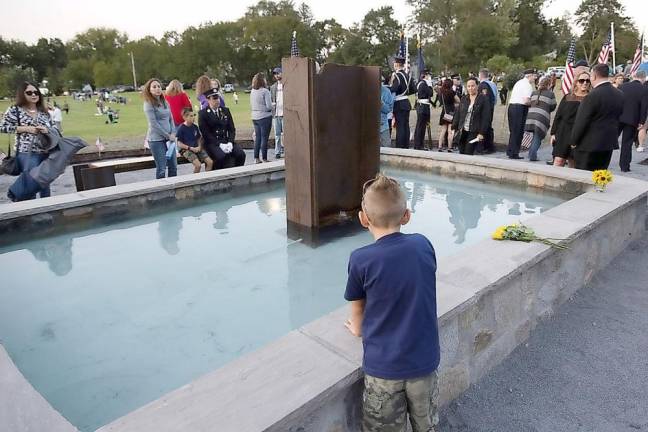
pixel 130 131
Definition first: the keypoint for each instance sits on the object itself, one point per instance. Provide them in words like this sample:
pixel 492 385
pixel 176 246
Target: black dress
pixel 563 124
pixel 447 106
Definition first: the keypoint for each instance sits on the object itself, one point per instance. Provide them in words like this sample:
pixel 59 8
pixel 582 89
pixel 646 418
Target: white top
pixel 56 115
pixel 521 92
pixel 279 107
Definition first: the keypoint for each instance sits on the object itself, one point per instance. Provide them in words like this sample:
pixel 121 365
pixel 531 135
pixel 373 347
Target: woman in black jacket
pixel 217 129
pixel 472 120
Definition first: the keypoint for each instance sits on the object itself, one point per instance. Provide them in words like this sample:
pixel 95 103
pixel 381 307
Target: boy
pixel 392 289
pixel 190 142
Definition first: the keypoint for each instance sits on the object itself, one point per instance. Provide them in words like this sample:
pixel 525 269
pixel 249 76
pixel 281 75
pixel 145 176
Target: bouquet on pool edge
pixel 521 232
pixel 602 178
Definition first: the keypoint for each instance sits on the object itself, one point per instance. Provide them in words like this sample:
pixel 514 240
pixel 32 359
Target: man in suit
pixel 634 114
pixel 402 86
pixel 595 130
pixel 489 89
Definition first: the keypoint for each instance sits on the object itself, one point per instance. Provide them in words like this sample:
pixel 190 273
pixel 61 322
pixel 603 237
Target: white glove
pixel 227 148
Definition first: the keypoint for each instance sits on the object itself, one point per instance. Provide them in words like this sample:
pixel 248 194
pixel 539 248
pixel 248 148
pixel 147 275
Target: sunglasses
pixel 213 97
pixel 32 93
pixel 583 81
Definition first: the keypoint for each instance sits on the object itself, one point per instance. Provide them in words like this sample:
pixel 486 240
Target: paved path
pixel 585 369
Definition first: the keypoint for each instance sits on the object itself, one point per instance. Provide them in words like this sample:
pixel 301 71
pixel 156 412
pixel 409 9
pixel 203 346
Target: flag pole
pixel 613 50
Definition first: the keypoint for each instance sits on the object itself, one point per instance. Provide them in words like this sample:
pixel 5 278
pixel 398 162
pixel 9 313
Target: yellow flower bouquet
pixel 601 179
pixel 520 232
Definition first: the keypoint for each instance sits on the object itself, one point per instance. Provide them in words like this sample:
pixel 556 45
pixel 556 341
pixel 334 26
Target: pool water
pixel 104 320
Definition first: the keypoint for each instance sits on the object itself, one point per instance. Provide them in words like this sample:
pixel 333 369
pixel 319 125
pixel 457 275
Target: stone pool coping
pixel 488 302
pixel 46 214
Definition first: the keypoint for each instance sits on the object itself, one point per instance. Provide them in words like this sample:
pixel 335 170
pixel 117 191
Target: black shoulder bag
pixel 9 164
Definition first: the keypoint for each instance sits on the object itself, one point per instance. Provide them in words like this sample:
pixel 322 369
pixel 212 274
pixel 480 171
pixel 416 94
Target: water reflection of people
pixel 514 210
pixel 222 220
pixel 57 253
pixel 465 212
pixel 418 193
pixel 169 232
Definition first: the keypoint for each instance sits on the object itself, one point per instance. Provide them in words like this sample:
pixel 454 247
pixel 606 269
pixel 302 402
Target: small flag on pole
pixel 568 77
pixel 294 50
pixel 605 49
pixel 636 62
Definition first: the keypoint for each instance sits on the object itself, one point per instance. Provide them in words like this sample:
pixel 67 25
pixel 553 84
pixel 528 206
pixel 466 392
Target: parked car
pixel 228 88
pixel 558 70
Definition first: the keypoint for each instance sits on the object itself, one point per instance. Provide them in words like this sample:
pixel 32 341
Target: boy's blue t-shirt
pixel 397 277
pixel 188 135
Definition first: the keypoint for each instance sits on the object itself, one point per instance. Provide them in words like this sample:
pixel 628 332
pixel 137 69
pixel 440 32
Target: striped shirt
pixel 25 142
pixel 543 102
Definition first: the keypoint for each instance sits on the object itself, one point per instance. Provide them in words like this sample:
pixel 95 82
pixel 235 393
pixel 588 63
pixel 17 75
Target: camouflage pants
pixel 387 404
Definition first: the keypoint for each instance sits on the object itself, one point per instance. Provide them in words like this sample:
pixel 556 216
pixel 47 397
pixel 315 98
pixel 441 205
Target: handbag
pixel 446 115
pixel 527 138
pixel 9 164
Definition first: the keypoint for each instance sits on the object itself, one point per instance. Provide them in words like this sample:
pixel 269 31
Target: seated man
pixel 218 132
pixel 190 142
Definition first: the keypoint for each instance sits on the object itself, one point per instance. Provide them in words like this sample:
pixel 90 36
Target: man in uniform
pixel 423 100
pixel 401 86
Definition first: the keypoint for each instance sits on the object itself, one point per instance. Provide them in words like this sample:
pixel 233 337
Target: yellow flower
pixel 499 233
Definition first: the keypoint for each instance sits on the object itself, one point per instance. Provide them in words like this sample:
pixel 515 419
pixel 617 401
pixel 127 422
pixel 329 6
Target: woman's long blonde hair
pixel 174 88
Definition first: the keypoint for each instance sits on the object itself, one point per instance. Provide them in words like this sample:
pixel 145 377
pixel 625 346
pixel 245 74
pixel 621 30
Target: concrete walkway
pixel 585 369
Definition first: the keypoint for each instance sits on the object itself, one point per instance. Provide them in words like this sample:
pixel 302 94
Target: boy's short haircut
pixel 383 202
pixel 185 111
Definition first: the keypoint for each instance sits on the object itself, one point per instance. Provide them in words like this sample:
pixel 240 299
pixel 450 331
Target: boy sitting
pixel 190 142
pixel 392 289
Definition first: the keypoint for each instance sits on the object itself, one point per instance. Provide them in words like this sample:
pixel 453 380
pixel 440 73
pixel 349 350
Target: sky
pixel 30 20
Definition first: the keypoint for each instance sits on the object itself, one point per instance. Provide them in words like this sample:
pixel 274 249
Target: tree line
pixel 457 36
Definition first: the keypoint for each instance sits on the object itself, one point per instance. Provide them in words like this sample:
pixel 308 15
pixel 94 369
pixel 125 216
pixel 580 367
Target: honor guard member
pixel 402 86
pixel 218 131
pixel 423 100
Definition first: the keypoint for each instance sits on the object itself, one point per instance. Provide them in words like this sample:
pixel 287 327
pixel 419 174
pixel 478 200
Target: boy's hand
pixel 353 328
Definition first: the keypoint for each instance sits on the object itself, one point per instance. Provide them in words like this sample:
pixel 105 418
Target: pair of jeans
pixel 27 161
pixel 535 145
pixel 262 133
pixel 159 150
pixel 517 114
pixel 278 127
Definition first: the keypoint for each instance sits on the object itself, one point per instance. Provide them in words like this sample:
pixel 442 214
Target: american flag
pixel 294 50
pixel 568 76
pixel 605 49
pixel 636 62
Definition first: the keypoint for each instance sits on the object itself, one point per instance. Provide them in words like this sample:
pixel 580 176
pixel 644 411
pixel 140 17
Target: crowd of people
pixel 171 127
pixel 601 113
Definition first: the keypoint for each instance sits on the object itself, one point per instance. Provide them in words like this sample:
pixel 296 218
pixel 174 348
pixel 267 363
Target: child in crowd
pixel 392 289
pixel 190 142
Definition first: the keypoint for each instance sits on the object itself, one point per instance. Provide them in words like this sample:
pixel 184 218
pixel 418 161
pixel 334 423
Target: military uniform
pixel 402 86
pixel 423 101
pixel 217 127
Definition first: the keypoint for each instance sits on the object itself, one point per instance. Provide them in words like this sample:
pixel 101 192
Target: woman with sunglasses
pixel 160 128
pixel 564 119
pixel 28 119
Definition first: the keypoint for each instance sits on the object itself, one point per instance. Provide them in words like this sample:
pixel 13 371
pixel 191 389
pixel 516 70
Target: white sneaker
pixel 641 149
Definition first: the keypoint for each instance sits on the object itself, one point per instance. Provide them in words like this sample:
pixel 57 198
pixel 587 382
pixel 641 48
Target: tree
pixel 595 17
